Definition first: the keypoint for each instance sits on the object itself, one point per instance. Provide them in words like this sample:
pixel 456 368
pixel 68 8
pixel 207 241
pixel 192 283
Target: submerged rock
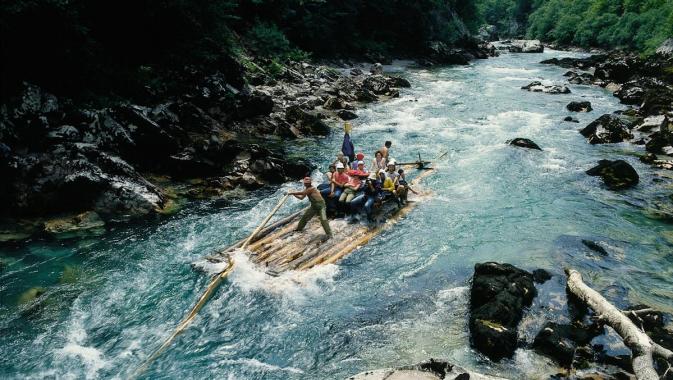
pixel 616 175
pixel 571 119
pixel 579 107
pixel 541 276
pixel 524 143
pixel 561 342
pixel 553 89
pixel 607 129
pixel 498 296
pixel 86 222
pixel 595 247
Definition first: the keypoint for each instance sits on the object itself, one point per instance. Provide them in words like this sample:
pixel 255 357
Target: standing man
pixel 347 147
pixel 317 207
pixel 386 149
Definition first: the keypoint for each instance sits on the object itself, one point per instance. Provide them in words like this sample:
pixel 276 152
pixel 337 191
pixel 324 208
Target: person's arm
pixel 298 194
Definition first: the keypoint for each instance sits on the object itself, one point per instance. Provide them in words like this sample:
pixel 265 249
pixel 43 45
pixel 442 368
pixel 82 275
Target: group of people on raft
pixel 351 186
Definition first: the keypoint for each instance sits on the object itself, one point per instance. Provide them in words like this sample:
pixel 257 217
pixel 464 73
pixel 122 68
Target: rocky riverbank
pixel 209 134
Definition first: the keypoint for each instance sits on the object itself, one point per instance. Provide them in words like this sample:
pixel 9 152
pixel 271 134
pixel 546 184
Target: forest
pixel 76 47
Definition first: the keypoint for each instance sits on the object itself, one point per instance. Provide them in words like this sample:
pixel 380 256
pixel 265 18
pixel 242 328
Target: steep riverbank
pixel 213 135
pixel 103 304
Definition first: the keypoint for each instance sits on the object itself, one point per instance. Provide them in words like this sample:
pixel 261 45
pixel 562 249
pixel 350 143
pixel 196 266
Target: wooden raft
pixel 280 248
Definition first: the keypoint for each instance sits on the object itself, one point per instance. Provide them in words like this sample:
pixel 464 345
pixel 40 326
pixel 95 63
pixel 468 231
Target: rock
pixel 306 122
pixel 64 133
pixel 333 103
pixel 428 370
pixel 656 123
pixel 356 72
pixel 31 295
pixel 394 81
pixel 498 296
pixel 524 143
pixel 79 176
pixel 541 276
pixel 561 341
pixel 253 104
pixel 377 84
pixel 595 247
pixel 537 86
pixel 666 48
pixel 376 69
pixel 347 115
pixel 579 107
pixel 571 119
pixel 660 141
pixel 526 46
pixel 616 175
pixel 364 95
pixel 74 225
pixel 648 158
pixel 440 53
pixel 607 129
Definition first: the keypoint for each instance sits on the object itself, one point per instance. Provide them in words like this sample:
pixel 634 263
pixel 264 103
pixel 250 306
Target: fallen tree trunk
pixel 642 347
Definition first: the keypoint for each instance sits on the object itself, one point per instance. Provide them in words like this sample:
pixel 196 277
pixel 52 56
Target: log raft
pixel 279 248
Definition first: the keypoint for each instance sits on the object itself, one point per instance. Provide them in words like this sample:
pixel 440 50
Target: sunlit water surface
pixel 403 298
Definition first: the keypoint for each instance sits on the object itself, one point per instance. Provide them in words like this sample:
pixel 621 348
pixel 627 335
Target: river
pixel 111 300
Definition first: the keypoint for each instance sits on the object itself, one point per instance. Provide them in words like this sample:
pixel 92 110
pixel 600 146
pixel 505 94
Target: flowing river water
pixel 110 300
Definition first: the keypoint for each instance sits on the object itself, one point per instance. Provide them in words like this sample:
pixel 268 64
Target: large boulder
pixel 524 143
pixel 377 84
pixel 607 129
pixel 441 53
pixel 252 104
pixel 526 46
pixel 307 122
pixel 394 81
pixel 498 296
pixel 77 177
pixel 579 107
pixel 616 175
pixel 553 89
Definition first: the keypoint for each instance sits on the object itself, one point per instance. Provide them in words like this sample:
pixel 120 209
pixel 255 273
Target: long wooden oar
pixel 214 284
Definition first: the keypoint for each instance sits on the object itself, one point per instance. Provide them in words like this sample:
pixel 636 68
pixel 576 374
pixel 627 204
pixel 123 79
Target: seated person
pixel 403 187
pixel 370 196
pixel 339 181
pixel 360 169
pixel 388 187
pixel 379 162
pixel 351 188
pixel 325 187
pixel 341 158
pixel 358 157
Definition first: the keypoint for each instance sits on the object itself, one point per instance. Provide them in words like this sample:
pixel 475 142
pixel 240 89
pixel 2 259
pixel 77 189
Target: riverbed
pixel 108 301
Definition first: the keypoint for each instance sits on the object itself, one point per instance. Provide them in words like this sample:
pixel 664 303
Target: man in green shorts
pixel 317 207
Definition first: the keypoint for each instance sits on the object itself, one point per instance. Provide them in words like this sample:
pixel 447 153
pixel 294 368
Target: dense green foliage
pixel 631 24
pixel 113 47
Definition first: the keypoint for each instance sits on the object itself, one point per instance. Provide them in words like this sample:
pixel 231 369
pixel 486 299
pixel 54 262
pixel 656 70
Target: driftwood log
pixel 642 347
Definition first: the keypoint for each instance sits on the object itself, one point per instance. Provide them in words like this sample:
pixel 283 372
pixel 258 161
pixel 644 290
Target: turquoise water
pixel 110 301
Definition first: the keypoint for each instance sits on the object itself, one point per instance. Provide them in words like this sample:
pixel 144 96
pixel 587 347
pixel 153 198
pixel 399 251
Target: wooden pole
pixel 212 286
